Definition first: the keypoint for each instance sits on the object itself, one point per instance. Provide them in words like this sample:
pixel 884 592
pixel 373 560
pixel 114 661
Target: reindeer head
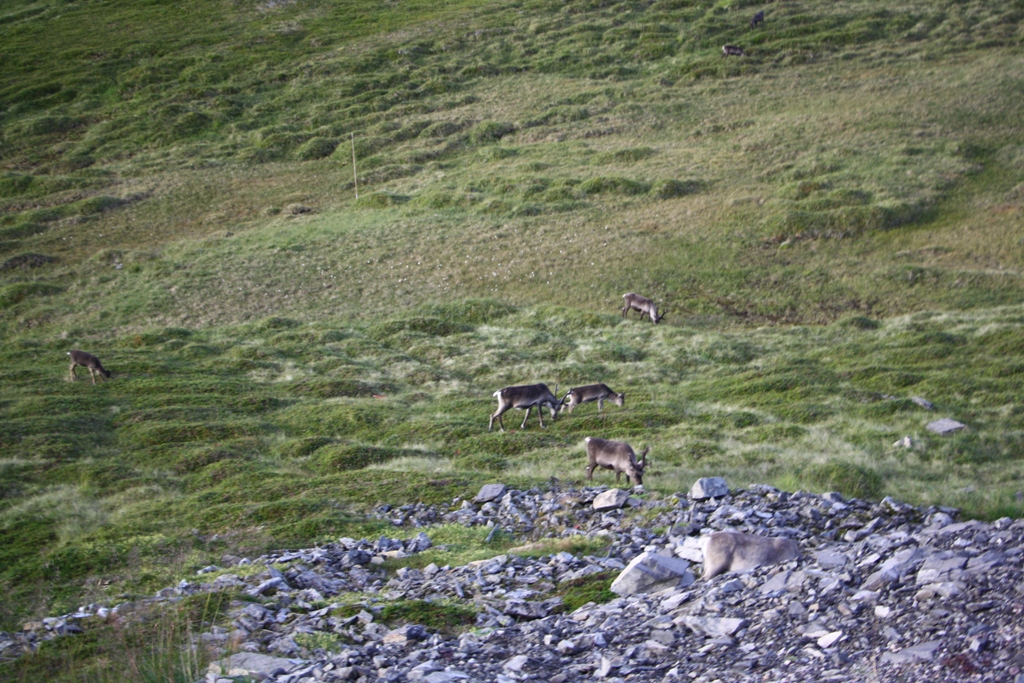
pixel 618 399
pixel 555 407
pixel 638 469
pixel 659 318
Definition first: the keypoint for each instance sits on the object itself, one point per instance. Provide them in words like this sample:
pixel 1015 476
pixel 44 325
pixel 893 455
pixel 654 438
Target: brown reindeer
pixel 729 551
pixel 592 392
pixel 646 307
pixel 615 455
pixel 87 360
pixel 758 20
pixel 525 397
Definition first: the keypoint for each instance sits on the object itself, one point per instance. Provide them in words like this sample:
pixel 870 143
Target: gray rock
pixel 945 426
pixel 611 499
pixel 709 487
pixel 713 627
pixel 252 664
pixel 489 492
pixel 650 572
pixel 924 652
pixel 924 403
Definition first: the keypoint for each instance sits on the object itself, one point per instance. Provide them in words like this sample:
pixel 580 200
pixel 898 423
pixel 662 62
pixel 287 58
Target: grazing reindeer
pixel 729 551
pixel 642 304
pixel 758 20
pixel 87 360
pixel 592 392
pixel 525 397
pixel 615 455
pixel 733 50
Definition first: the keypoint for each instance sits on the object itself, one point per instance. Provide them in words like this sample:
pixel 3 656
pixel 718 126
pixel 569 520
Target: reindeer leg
pixel 92 373
pixel 497 414
pixel 523 426
pixel 71 372
pixel 600 405
pixel 540 415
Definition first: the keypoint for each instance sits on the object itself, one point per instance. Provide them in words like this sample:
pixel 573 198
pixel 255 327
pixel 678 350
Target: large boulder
pixel 612 499
pixel 650 573
pixel 709 487
pixel 489 492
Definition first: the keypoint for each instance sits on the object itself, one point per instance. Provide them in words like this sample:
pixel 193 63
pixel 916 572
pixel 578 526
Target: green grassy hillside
pixel 833 221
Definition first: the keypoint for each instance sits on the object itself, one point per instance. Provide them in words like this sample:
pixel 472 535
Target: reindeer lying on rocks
pixel 592 392
pixel 615 455
pixel 525 397
pixel 729 551
pixel 646 307
pixel 87 360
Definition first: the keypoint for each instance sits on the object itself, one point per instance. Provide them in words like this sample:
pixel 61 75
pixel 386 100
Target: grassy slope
pixel 863 163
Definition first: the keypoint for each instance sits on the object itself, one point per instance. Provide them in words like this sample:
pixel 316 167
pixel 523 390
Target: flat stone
pixel 713 627
pixel 445 677
pixel 517 663
pixel 830 558
pixel 941 566
pixel 611 499
pixel 650 573
pixel 829 639
pixel 709 487
pixel 489 492
pixel 690 549
pixel 924 403
pixel 523 609
pixel 405 634
pixel 940 590
pixel 945 426
pixel 924 652
pixel 253 664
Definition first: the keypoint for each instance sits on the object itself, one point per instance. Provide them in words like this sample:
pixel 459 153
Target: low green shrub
pixel 341 457
pixel 488 132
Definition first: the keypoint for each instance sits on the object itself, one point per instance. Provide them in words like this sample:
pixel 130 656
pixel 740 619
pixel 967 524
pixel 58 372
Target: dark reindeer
pixel 733 50
pixel 525 397
pixel 615 455
pixel 87 360
pixel 644 305
pixel 758 20
pixel 592 392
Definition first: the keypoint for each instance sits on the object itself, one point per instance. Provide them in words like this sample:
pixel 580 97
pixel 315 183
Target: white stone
pixel 714 627
pixel 709 487
pixel 690 549
pixel 829 639
pixel 945 426
pixel 650 572
pixel 252 664
pixel 516 663
pixel 611 499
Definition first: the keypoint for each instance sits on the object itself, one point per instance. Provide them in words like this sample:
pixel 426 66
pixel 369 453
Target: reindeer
pixel 729 551
pixel 87 360
pixel 642 304
pixel 733 50
pixel 525 397
pixel 615 455
pixel 592 392
pixel 758 20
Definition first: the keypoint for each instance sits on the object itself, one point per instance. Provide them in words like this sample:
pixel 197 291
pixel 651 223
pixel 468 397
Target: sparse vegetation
pixel 833 224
